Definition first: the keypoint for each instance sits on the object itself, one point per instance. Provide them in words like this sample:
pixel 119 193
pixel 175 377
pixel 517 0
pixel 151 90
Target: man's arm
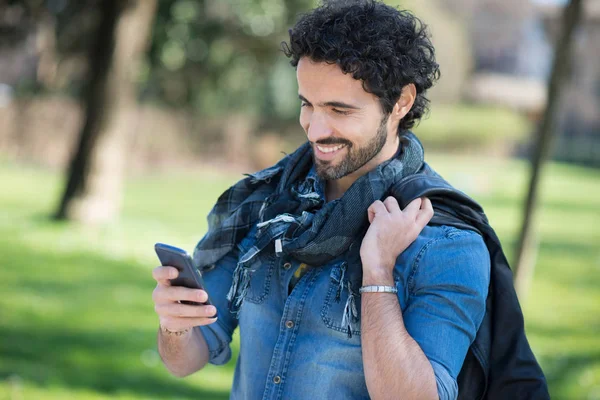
pixel 199 337
pixel 394 363
pixel 417 350
pixel 184 354
pixel 446 304
pixel 182 348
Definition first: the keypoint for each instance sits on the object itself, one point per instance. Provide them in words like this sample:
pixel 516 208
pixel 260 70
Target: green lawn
pixel 77 320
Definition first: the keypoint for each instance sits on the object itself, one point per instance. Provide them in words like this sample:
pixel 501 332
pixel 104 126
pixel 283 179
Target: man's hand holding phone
pixel 180 298
pixel 174 316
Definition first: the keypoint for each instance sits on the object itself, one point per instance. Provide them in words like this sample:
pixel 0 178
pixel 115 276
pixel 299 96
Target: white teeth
pixel 331 149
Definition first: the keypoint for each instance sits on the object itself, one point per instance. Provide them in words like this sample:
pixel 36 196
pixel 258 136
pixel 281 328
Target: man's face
pixel 345 124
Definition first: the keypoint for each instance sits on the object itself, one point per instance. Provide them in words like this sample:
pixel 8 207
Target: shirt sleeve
pixel 218 334
pixel 446 304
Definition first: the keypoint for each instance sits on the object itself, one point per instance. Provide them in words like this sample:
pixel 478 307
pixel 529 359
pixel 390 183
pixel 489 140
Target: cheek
pixel 351 129
pixel 304 120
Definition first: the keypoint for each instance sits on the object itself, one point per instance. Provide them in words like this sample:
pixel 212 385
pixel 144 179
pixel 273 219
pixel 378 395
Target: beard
pixel 354 159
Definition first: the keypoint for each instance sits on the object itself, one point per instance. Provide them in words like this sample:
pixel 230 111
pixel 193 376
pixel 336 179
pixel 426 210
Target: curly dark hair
pixel 384 47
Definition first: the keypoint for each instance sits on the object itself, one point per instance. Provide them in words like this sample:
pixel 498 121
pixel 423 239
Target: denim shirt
pixel 293 344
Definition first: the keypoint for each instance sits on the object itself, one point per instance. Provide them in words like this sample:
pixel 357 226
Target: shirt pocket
pixel 260 280
pixel 335 301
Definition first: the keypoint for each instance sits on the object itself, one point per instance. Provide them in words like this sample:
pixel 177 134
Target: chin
pixel 328 173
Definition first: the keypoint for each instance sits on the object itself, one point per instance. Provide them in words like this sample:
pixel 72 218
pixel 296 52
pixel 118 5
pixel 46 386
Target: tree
pixel 92 190
pixel 526 250
pixel 216 57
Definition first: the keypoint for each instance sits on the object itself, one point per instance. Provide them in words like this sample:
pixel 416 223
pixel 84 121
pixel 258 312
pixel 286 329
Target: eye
pixel 341 112
pixel 304 104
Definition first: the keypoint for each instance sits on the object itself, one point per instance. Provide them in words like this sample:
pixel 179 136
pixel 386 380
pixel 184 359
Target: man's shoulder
pixel 442 245
pixel 434 233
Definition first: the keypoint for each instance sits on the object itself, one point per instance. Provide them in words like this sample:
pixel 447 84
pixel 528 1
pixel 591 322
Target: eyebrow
pixel 337 104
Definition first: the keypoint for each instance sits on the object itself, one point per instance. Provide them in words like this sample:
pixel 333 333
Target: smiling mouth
pixel 326 154
pixel 329 149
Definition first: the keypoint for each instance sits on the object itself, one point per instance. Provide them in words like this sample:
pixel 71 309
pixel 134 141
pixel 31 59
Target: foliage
pixel 212 56
pixel 218 58
pixel 222 57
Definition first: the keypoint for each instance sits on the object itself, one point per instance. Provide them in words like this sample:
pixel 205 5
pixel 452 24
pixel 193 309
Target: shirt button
pixel 277 379
pixel 287 265
pixel 289 324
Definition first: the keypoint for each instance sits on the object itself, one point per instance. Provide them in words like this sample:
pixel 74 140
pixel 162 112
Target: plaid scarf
pixel 293 220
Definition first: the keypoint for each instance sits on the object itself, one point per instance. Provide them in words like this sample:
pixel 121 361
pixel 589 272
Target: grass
pixel 77 321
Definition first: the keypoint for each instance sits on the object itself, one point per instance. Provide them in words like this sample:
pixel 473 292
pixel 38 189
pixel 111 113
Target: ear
pixel 405 102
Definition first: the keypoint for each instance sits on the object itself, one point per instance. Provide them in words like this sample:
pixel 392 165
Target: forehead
pixel 319 81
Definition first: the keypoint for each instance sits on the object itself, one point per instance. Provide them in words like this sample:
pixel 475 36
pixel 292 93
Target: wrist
pixel 168 332
pixel 378 277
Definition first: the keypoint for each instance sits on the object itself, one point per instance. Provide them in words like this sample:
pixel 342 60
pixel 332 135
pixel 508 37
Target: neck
pixel 334 189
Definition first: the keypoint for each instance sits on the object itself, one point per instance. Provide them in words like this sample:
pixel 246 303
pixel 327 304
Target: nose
pixel 318 128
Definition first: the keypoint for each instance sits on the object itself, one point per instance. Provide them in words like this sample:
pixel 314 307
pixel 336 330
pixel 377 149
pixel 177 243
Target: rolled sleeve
pixel 446 385
pixel 219 334
pixel 218 346
pixel 446 305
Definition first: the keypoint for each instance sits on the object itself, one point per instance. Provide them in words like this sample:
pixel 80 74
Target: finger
pixel 376 208
pixel 425 213
pixel 413 207
pixel 180 293
pixel 162 274
pixel 172 294
pixel 179 324
pixel 185 311
pixel 391 204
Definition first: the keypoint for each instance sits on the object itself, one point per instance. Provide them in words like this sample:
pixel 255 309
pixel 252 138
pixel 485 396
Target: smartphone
pixel 189 276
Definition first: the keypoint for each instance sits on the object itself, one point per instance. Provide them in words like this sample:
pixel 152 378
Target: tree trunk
pixel 527 245
pixel 95 174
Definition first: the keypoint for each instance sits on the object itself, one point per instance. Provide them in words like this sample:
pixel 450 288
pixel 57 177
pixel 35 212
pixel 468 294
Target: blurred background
pixel 121 122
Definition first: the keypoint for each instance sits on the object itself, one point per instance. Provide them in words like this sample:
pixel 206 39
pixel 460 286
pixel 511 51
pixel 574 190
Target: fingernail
pixel 211 310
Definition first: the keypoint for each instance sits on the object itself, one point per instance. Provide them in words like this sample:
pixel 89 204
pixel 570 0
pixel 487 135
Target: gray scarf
pixel 291 216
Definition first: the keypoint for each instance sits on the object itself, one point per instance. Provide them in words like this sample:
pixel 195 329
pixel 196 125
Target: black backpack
pixel 499 363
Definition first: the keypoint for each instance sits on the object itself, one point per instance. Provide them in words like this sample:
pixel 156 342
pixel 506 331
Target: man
pixel 337 292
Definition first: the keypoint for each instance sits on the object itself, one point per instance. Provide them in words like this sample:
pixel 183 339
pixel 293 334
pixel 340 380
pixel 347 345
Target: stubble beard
pixel 355 158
